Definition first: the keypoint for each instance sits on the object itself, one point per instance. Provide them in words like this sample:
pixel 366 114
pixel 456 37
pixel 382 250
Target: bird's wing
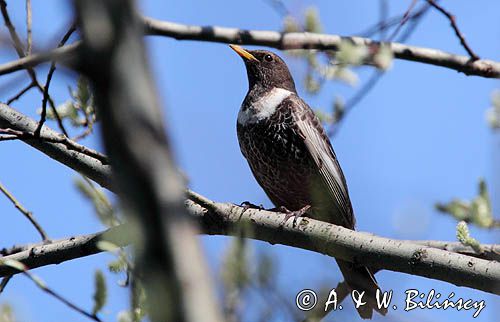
pixel 321 151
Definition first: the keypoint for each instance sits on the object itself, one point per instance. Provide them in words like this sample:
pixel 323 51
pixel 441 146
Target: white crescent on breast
pixel 264 107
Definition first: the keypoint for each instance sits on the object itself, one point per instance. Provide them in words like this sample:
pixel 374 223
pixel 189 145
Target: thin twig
pixel 52 69
pixel 405 18
pixel 453 23
pixel 85 133
pixel 353 101
pixel 390 22
pixel 21 93
pixel 279 7
pixel 59 297
pixel 28 28
pixel 24 211
pixel 4 282
pixel 16 41
pixel 383 12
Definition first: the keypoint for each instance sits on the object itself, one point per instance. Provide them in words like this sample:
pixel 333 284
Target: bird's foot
pixel 295 214
pixel 248 205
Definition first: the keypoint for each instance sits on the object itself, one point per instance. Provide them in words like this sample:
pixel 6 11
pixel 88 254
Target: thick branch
pixel 76 160
pixel 463 64
pixel 424 258
pixel 56 252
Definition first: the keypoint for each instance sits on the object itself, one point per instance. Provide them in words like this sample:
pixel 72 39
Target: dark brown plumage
pixel 291 157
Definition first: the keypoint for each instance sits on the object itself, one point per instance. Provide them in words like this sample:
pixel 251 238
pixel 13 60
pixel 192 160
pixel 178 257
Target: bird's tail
pixel 361 279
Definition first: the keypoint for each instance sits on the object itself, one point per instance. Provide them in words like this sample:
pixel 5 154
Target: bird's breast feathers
pixel 261 108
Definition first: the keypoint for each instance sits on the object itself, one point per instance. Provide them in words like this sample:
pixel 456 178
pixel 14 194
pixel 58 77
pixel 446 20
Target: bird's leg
pixel 289 213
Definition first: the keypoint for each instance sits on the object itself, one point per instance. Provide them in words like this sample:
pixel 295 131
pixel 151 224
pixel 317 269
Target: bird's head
pixel 265 69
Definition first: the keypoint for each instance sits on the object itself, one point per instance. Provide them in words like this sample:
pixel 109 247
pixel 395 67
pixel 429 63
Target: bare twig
pixel 381 26
pixel 279 7
pixel 453 23
pixel 404 19
pixel 60 298
pixel 52 69
pixel 41 285
pixel 353 101
pixel 16 41
pixel 24 211
pixel 383 13
pixel 29 35
pixel 59 54
pixel 21 93
pixel 4 283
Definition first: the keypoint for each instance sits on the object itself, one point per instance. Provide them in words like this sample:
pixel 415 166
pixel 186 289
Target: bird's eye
pixel 268 58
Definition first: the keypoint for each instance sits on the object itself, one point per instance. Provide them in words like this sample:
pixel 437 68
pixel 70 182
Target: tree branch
pixel 454 25
pixel 76 160
pixel 28 214
pixel 424 258
pixel 485 68
pixel 60 54
pixel 481 67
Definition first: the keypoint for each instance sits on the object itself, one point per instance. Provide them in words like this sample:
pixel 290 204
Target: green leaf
pixel 100 293
pixel 117 266
pixel 7 313
pixel 351 54
pixel 138 300
pixel 102 205
pixel 493 113
pixel 290 24
pixel 323 116
pixel 124 316
pixel 346 75
pixel 311 84
pixel 477 211
pixel 384 57
pixel 464 237
pixel 312 21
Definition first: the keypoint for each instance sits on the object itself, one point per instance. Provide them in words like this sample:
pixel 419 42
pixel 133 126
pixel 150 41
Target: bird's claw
pixel 248 205
pixel 295 214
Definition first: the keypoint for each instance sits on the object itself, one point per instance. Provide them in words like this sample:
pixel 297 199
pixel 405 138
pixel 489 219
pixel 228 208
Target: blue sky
pixel 419 137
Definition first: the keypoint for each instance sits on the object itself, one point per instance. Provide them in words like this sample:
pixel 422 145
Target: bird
pixel 292 159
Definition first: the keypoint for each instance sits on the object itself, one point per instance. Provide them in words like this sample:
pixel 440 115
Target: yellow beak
pixel 243 52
